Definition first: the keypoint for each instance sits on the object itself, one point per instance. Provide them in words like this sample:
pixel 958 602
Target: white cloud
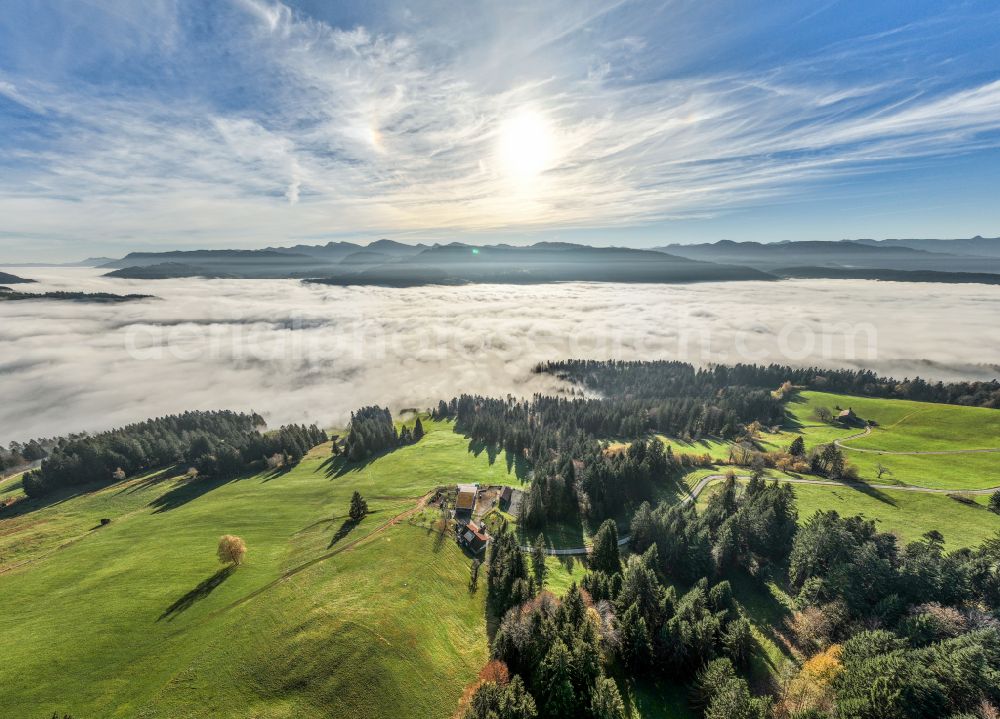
pixel 353 130
pixel 8 90
pixel 307 353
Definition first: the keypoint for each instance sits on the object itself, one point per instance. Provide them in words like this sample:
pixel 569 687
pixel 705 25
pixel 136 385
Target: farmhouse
pixel 472 536
pixel 847 416
pixel 465 501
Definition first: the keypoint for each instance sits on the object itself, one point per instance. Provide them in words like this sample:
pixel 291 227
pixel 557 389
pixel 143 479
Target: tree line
pixel 215 443
pixel 672 378
pixel 572 474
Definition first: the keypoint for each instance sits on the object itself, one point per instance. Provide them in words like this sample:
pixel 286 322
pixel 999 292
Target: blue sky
pixel 246 123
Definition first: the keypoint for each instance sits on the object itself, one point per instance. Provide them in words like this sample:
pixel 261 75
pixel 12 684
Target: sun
pixel 526 147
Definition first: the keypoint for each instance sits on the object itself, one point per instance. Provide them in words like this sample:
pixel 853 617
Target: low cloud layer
pixel 296 352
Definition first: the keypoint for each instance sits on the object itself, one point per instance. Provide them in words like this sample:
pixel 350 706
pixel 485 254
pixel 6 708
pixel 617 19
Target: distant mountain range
pixel 168 270
pixel 975 246
pixel 934 255
pixel 861 273
pixel 395 264
pixel 386 262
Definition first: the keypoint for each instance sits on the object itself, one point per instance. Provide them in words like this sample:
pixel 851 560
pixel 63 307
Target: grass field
pixel 903 426
pixel 135 618
pixel 908 515
pixel 715 448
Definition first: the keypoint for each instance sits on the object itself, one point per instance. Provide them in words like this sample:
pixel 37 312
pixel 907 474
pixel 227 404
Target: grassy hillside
pixel 907 514
pixel 136 618
pixel 964 522
pixel 903 426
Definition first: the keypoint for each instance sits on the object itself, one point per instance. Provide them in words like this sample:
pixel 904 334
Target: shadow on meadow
pixel 873 492
pixel 276 472
pixel 345 529
pixel 515 463
pixel 131 487
pixel 337 466
pixel 201 591
pixel 189 490
pixel 51 499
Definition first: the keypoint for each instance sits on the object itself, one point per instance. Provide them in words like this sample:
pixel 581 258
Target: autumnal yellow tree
pixel 231 549
pixel 812 687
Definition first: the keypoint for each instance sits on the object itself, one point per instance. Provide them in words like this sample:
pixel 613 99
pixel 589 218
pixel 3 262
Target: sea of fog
pixel 299 352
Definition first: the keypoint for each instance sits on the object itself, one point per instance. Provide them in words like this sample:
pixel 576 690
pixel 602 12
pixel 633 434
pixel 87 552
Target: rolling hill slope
pixel 136 619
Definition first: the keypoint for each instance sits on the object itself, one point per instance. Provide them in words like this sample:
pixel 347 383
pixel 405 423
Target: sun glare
pixel 526 145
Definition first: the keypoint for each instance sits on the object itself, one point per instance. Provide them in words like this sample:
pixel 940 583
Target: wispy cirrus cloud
pixel 248 122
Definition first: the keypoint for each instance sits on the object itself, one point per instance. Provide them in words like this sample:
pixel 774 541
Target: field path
pixel 868 431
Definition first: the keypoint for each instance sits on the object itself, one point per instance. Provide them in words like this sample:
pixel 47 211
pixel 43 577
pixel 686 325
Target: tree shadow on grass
pixel 477 447
pixel 276 472
pixel 519 464
pixel 769 616
pixel 344 530
pixel 566 534
pixel 190 490
pixel 873 492
pixel 50 499
pixel 153 479
pixel 671 489
pixel 338 466
pixel 568 561
pixel 203 589
pixel 439 539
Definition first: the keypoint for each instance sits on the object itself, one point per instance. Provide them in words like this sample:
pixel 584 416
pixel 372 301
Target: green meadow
pixel 136 618
pixel 903 426
pixel 963 520
pixel 326 618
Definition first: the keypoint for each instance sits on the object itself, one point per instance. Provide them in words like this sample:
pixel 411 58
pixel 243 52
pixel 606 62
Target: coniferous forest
pixel 217 444
pixel 905 630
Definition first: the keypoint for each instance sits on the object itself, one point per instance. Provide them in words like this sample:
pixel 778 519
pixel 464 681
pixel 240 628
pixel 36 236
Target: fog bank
pixel 297 352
